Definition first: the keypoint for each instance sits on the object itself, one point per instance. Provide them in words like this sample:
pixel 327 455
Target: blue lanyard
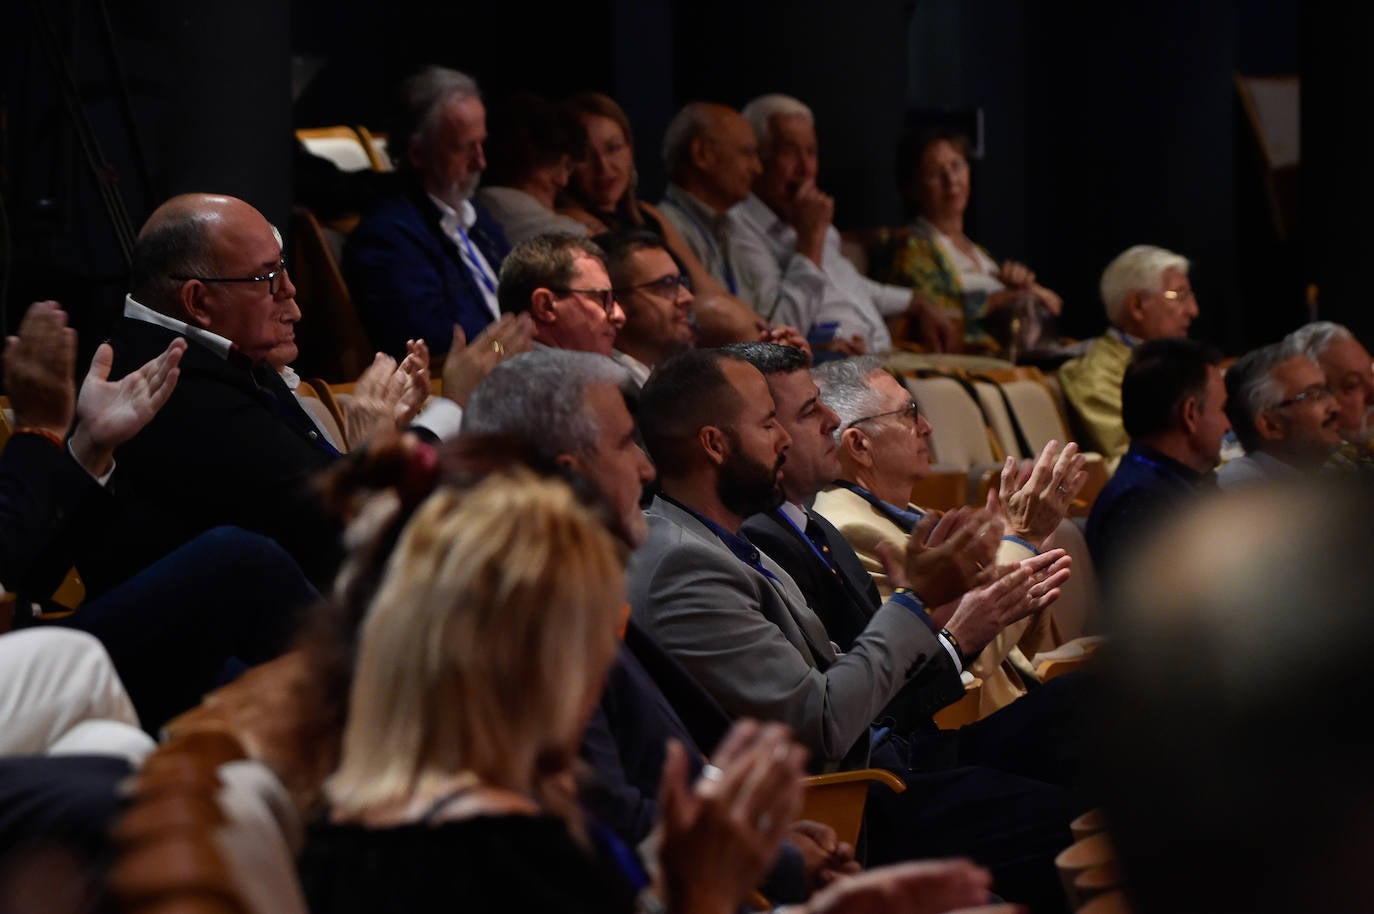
pixel 487 282
pixel 903 518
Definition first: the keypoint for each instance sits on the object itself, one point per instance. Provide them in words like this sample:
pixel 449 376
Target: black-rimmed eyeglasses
pixel 273 279
pixel 667 286
pixel 603 297
pixel 907 411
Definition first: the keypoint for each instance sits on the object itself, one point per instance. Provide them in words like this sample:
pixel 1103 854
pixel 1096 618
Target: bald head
pixel 711 152
pixel 205 259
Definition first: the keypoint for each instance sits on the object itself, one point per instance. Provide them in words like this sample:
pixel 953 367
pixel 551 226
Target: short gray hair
pixel 1312 340
pixel 1136 268
pixel 540 397
pixel 844 388
pixel 422 96
pixel 761 111
pixel 180 245
pixel 1251 389
pixel 688 124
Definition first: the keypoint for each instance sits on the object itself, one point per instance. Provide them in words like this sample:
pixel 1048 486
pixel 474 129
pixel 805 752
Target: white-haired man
pixel 785 242
pixel 426 259
pixel 1147 295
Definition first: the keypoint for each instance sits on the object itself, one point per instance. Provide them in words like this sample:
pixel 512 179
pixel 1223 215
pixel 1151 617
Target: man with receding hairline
pixel 233 445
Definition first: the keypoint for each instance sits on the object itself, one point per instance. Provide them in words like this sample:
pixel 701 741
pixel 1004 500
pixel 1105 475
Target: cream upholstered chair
pixel 340 145
pixel 959 439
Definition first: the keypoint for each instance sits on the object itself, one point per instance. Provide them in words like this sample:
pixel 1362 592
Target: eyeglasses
pixel 908 411
pixel 603 297
pixel 1177 294
pixel 273 279
pixel 667 286
pixel 1315 392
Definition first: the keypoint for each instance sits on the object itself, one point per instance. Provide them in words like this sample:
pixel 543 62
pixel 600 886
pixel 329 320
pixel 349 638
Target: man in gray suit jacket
pixel 730 614
pixel 739 624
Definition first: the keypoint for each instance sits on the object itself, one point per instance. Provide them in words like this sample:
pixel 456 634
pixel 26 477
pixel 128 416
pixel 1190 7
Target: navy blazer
pixel 408 279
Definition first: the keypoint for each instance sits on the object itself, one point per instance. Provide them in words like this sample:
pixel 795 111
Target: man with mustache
pixel 1284 414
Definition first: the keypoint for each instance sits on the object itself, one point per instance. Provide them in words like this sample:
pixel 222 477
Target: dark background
pixel 1104 126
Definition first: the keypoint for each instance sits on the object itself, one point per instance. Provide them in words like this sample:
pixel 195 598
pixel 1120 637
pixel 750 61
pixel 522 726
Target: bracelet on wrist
pixel 964 658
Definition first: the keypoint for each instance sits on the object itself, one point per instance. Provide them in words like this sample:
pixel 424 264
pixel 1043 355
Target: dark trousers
pixel 227 597
pixel 1000 791
pixel 58 801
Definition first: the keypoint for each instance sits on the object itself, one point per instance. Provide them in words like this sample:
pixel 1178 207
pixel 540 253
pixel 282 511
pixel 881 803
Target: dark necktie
pixel 817 537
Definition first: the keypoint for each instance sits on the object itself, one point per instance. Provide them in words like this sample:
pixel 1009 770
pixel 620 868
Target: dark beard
pixel 746 487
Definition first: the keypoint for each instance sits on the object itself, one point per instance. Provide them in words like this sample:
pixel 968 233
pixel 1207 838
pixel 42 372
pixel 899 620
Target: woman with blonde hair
pixel 483 651
pixel 481 658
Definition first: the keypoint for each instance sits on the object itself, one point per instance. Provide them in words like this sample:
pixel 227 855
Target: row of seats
pixel 981 415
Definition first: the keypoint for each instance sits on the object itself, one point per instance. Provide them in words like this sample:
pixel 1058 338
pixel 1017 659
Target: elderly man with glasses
pixel 1284 414
pixel 233 445
pixel 883 450
pixel 1147 295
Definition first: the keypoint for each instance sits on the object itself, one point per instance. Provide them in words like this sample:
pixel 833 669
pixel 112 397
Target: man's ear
pixel 568 462
pixel 416 156
pixel 542 306
pixel 855 444
pixel 1134 307
pixel 701 152
pixel 1271 426
pixel 1190 414
pixel 715 443
pixel 191 295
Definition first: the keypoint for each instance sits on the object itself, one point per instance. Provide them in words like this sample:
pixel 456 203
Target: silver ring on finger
pixel 711 773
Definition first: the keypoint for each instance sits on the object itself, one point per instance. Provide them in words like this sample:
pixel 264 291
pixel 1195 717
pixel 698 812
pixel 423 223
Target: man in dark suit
pixel 427 257
pixel 171 628
pixel 232 445
pixel 1034 738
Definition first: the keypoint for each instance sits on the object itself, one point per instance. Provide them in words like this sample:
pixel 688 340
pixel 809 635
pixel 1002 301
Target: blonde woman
pixel 481 658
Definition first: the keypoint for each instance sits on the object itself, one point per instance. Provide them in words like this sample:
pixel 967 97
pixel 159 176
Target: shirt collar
pixel 737 543
pixel 212 341
pixel 795 513
pixel 1130 341
pixel 451 220
pixel 694 207
pixel 754 211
